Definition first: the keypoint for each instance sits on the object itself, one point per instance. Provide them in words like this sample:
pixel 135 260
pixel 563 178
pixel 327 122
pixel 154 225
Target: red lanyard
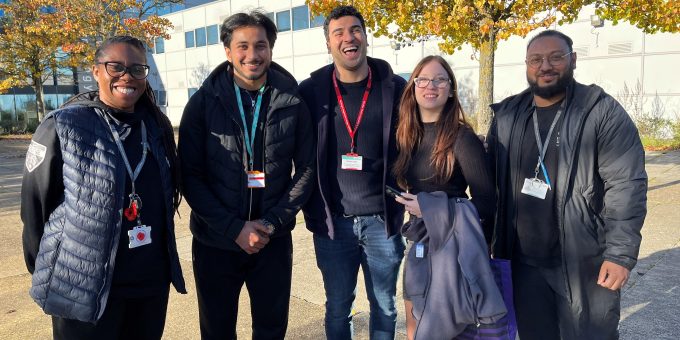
pixel 343 110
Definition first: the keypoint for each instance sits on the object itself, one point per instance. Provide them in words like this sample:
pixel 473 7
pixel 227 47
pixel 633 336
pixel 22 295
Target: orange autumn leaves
pixel 38 36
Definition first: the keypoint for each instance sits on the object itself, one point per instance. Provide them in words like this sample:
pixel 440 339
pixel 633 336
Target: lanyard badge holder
pixel 535 186
pixel 139 235
pixel 256 179
pixel 352 160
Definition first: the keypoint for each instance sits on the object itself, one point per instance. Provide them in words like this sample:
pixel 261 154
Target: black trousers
pixel 220 275
pixel 544 312
pixel 123 318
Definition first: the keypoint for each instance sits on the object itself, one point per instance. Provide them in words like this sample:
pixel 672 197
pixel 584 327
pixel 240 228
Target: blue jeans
pixel 359 240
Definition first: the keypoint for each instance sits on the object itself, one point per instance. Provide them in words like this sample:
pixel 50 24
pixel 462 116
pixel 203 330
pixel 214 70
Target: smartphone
pixel 392 191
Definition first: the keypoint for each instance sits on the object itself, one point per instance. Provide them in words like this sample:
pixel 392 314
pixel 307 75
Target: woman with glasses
pixel 438 152
pixel 100 189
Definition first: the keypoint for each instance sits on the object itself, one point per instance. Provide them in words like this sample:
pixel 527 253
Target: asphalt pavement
pixel 650 300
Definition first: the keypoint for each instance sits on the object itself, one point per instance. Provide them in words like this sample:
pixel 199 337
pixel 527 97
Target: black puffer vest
pixel 75 263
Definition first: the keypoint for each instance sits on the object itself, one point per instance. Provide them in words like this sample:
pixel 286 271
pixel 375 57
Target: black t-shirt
pixel 470 169
pixel 537 229
pixel 355 192
pixel 249 100
pixel 144 270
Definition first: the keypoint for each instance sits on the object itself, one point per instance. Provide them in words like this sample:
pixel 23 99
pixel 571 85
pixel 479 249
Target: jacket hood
pixel 89 99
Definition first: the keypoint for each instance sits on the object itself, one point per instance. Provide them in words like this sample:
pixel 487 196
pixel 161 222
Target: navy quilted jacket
pixel 73 268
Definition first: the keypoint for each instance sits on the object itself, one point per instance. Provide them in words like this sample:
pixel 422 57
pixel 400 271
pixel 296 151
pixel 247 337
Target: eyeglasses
pixel 116 69
pixel 423 82
pixel 554 60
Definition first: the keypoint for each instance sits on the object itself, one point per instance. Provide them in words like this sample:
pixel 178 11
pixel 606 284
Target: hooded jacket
pixel 450 284
pixel 77 216
pixel 214 159
pixel 600 190
pixel 317 92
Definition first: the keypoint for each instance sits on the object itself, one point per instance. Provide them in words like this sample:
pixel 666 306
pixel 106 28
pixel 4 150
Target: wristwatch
pixel 270 227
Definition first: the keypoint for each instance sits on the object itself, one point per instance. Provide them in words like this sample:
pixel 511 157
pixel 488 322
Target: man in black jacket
pixel 354 105
pixel 572 188
pixel 239 138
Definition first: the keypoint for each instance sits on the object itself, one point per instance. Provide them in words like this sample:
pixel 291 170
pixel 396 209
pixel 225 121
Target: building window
pixel 200 37
pixel 271 16
pixel 317 21
pixel 300 18
pixel 161 97
pixel 192 90
pixel 189 39
pixel 283 21
pixel 159 45
pixel 213 35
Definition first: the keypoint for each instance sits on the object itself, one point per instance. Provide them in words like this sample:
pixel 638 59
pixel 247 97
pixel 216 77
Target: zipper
pixel 264 135
pixel 244 161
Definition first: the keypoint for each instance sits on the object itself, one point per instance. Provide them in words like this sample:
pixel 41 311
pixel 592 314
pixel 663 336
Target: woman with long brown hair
pixel 438 150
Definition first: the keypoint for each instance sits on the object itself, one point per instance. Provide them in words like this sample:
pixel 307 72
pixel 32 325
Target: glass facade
pixel 191 91
pixel 189 39
pixel 213 35
pixel 300 18
pixel 283 21
pixel 159 45
pixel 317 21
pixel 200 37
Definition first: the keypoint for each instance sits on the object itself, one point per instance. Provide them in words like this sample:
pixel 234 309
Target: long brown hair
pixel 410 128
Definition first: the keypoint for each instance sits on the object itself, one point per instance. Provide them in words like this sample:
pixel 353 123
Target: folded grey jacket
pixel 451 285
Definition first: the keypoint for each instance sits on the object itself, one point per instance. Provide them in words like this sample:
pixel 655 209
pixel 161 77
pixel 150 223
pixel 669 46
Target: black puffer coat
pixel 601 190
pixel 213 156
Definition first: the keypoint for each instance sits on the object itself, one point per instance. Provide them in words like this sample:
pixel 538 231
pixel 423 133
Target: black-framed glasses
pixel 423 82
pixel 554 60
pixel 116 69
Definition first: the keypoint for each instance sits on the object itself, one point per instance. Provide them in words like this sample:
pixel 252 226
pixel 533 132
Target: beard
pixel 558 87
pixel 254 76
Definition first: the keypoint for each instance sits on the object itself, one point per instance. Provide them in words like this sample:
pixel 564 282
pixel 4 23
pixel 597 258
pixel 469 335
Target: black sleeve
pixel 42 188
pixel 303 181
pixel 470 155
pixel 621 165
pixel 196 186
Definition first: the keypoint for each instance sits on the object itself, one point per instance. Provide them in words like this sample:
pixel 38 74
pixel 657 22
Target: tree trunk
pixel 485 91
pixel 39 102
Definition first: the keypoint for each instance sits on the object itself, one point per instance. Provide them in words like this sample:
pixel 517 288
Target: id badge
pixel 255 179
pixel 139 236
pixel 352 161
pixel 420 250
pixel 535 187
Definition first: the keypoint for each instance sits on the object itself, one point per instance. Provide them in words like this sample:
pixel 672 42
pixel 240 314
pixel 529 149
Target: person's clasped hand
pixel 253 237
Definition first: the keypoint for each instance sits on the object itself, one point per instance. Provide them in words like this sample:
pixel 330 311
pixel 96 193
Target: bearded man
pixel 571 197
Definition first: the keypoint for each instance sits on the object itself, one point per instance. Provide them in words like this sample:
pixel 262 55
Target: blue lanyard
pixel 250 136
pixel 543 147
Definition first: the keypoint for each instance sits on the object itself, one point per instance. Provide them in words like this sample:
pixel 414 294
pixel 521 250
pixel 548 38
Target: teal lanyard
pixel 250 136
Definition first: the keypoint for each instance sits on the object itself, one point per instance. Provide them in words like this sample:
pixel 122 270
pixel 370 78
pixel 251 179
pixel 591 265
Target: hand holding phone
pixel 392 191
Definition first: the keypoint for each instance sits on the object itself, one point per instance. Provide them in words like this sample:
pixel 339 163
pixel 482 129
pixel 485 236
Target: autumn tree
pixel 92 21
pixel 482 24
pixel 30 37
pixel 40 36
